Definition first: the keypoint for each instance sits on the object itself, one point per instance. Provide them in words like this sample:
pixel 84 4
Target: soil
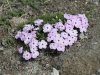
pixel 83 58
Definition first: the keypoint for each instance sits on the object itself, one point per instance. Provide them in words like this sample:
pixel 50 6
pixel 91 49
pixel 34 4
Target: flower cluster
pixel 58 35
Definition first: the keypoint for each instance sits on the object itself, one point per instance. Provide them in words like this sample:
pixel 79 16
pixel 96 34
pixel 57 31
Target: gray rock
pixel 78 44
pixel 98 70
pixel 55 72
pixel 30 13
pixel 35 68
pixel 4 42
pixel 18 62
pixel 96 3
pixel 47 65
pixel 82 36
pixel 1 48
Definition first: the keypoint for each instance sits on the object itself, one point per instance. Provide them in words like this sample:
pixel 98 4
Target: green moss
pixel 75 12
pixel 10 41
pixel 20 12
pixel 20 26
pixel 32 3
pixel 17 13
pixel 12 13
pixel 2 19
pixel 90 10
pixel 51 18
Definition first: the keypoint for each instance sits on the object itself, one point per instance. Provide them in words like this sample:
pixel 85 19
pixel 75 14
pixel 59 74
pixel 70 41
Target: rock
pixel 18 62
pixel 98 70
pixel 30 13
pixel 55 72
pixel 12 30
pixel 4 42
pixel 78 44
pixel 35 68
pixel 96 43
pixel 96 3
pixel 1 48
pixel 16 20
pixel 47 65
pixel 82 36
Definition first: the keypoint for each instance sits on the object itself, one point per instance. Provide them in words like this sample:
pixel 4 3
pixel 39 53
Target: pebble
pixel 35 67
pixel 78 44
pixel 30 13
pixel 12 30
pixel 4 42
pixel 82 36
pixel 98 70
pixel 1 48
pixel 47 65
pixel 95 43
pixel 18 62
pixel 55 72
pixel 96 3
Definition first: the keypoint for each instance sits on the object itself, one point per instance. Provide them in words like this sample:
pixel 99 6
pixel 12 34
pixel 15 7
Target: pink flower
pixel 70 41
pixel 84 20
pixel 49 38
pixel 42 44
pixel 76 21
pixel 73 33
pixel 34 54
pixel 64 42
pixel 69 30
pixel 28 38
pixel 67 16
pixel 53 46
pixel 74 38
pixel 59 25
pixel 26 55
pixel 52 32
pixel 67 25
pixel 20 50
pixel 58 40
pixel 33 34
pixel 18 35
pixel 47 28
pixel 23 36
pixel 62 27
pixel 82 29
pixel 38 22
pixel 61 48
pixel 33 48
pixel 57 35
pixel 28 27
pixel 33 42
pixel 70 21
pixel 64 34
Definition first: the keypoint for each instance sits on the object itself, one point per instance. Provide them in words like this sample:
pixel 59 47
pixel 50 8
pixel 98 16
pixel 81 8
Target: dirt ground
pixel 83 58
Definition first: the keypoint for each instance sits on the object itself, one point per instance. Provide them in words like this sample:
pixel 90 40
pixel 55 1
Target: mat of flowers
pixel 56 36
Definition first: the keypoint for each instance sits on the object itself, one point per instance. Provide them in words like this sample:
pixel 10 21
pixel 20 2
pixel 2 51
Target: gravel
pixel 83 58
